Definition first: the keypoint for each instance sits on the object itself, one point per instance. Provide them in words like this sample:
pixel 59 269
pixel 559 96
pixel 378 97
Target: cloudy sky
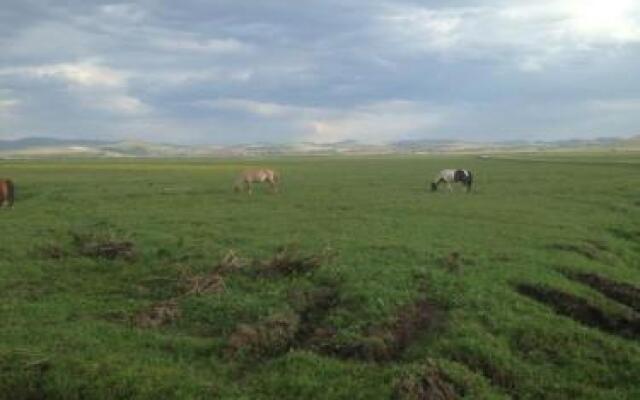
pixel 236 71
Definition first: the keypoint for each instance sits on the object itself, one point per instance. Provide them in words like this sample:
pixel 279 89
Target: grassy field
pixel 151 279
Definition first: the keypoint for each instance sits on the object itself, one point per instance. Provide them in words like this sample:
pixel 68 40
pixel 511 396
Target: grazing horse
pixel 449 176
pixel 6 192
pixel 245 180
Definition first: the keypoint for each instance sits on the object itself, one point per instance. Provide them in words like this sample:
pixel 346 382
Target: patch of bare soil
pixel 290 261
pixel 497 376
pixel 52 251
pixel 281 332
pixel 271 337
pixel 581 310
pixel 388 341
pixel 159 314
pixel 313 306
pixel 103 246
pixel 452 261
pixel 429 384
pixel 624 293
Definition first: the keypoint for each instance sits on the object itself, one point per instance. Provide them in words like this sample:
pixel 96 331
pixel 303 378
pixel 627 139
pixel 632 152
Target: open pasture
pixel 152 279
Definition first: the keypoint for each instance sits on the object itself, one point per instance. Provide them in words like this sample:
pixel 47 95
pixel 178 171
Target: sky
pixel 235 71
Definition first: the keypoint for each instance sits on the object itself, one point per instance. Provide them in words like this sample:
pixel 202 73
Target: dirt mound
pixel 270 337
pixel 158 314
pixel 283 331
pixel 452 261
pixel 312 306
pixel 105 246
pixel 52 251
pixel 387 342
pixel 288 260
pixel 194 284
pixel 230 262
pixel 429 384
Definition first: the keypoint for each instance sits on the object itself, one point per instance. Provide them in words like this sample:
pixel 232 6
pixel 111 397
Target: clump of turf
pixel 429 384
pixel 285 330
pixel 103 245
pixel 312 306
pixel 53 251
pixel 288 260
pixel 230 262
pixel 388 341
pixel 272 336
pixel 159 314
pixel 452 261
pixel 193 284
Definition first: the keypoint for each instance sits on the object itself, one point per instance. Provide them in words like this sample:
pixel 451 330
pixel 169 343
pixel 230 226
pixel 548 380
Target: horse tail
pixel 10 192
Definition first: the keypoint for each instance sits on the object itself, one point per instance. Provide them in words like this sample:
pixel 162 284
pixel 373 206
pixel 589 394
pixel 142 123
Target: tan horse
pixel 6 192
pixel 247 178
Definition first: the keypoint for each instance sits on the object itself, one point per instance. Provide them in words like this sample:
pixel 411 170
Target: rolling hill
pixel 44 147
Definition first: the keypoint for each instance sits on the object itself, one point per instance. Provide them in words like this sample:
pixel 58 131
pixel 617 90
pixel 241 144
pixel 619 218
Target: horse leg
pixel 249 188
pixel 274 187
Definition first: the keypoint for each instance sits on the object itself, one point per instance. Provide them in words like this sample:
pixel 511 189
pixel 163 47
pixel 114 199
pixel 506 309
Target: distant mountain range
pixel 43 147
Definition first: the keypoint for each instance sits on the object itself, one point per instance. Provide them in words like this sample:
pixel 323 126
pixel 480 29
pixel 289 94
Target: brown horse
pixel 6 192
pixel 245 179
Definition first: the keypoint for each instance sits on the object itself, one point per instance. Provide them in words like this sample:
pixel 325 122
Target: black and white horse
pixel 450 176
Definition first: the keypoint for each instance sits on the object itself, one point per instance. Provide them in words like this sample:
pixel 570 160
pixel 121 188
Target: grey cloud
pixel 374 71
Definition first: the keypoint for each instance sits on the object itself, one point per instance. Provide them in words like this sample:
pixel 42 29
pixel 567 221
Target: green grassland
pixel 526 288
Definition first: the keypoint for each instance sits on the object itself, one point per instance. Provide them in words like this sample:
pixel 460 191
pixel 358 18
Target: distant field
pixel 151 279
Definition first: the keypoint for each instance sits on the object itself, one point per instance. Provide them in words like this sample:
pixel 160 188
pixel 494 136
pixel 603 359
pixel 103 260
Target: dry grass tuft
pixel 388 341
pixel 231 262
pixel 429 384
pixel 158 314
pixel 288 260
pixel 452 261
pixel 192 284
pixel 53 251
pixel 272 336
